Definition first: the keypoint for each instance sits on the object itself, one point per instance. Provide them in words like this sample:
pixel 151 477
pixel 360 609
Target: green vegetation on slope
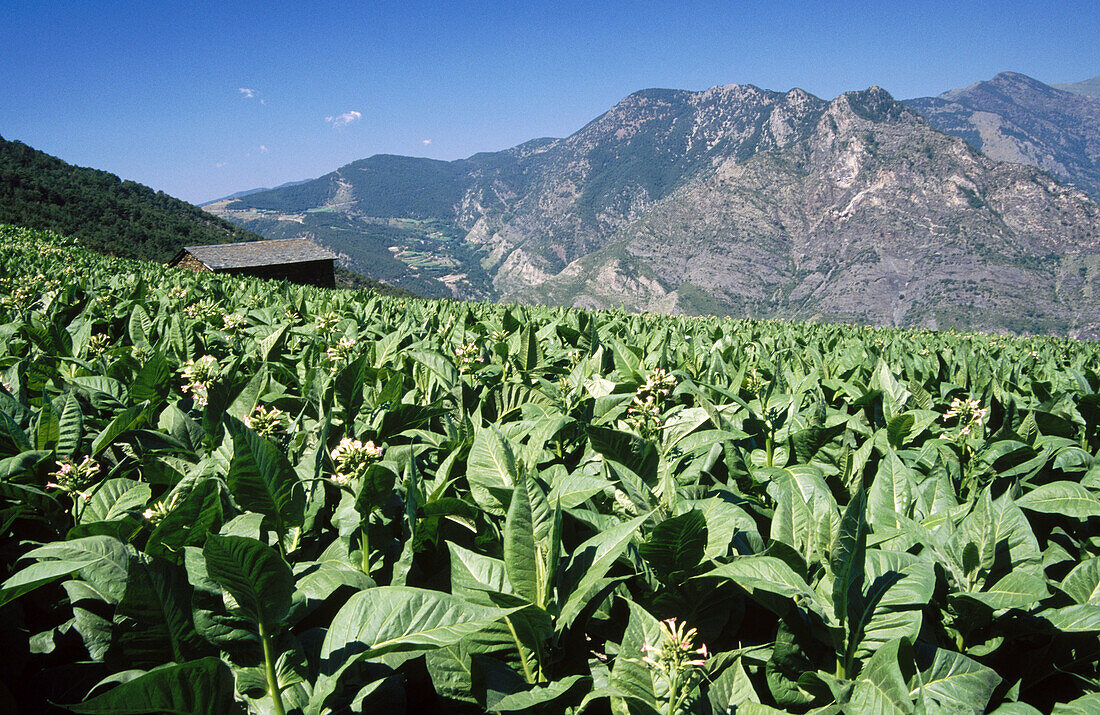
pixel 225 495
pixel 115 217
pixel 103 212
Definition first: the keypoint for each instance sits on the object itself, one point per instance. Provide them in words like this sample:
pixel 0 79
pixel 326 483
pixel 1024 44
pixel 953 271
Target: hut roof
pixel 257 253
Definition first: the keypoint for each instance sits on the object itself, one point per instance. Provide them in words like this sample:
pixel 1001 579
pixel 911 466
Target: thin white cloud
pixel 247 93
pixel 344 119
pixel 219 164
pixel 263 148
pixel 425 142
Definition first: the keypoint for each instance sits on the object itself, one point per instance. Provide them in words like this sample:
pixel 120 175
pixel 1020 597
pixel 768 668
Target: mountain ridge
pixel 614 212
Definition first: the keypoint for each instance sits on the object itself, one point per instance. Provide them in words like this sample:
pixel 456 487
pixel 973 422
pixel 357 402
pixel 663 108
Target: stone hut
pixel 293 259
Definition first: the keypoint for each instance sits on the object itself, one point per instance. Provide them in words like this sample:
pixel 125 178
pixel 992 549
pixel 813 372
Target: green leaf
pixel 629 676
pixel 1068 498
pixel 47 430
pixel 249 396
pixel 70 428
pixel 541 694
pixel 197 512
pixel 1082 618
pixel 199 687
pixel 1082 584
pixel 891 493
pixel 490 469
pixel 764 575
pixel 1085 705
pixel 120 425
pixel 955 683
pixel 114 498
pixel 1017 589
pixel 849 553
pixel 388 619
pixel 151 383
pixel 521 558
pixel 153 619
pixel 255 576
pixel 102 561
pixel 262 480
pixel 675 547
pixel 401 618
pixel 590 563
pixel 881 686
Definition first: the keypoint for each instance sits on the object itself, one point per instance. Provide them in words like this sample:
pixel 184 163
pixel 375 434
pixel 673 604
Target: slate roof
pixel 257 253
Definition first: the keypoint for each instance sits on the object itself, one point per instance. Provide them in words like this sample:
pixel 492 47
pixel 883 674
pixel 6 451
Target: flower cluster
pixel 326 322
pixel 75 478
pixel 644 414
pixel 142 353
pixel 676 659
pixel 205 308
pixel 232 321
pixel 969 412
pixel 198 376
pixel 467 355
pixel 97 345
pixel 352 458
pixel 156 513
pixel 267 422
pixel 341 351
pixel 755 382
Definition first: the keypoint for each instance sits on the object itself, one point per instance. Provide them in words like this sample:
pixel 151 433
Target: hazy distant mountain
pixel 1086 88
pixel 249 192
pixel 733 200
pixel 1013 117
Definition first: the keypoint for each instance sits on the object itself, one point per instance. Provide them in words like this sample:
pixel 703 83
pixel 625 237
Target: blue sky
pixel 155 92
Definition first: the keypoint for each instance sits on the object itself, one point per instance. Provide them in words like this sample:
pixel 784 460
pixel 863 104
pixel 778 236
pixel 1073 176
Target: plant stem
pixel 364 550
pixel 269 671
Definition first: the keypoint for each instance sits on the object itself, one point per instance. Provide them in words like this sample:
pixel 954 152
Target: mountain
pixel 112 216
pixel 1085 88
pixel 733 200
pixel 249 192
pixel 1013 117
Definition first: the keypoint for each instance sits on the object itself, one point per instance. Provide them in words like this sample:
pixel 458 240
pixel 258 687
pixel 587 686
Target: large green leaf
pixel 394 619
pixel 262 479
pixel 521 557
pixel 1017 589
pixel 1082 584
pixel 591 561
pixel 199 687
pixel 675 547
pixel 490 469
pixel 881 686
pixel 955 683
pixel 541 695
pixel 1068 498
pixel 760 575
pixel 153 621
pixel 848 561
pixel 257 578
pixel 103 561
pixel 115 498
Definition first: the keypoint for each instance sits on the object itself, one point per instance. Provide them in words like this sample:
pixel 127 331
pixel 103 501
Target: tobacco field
pixel 224 495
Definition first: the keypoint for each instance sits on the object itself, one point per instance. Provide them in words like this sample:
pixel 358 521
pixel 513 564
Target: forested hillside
pixel 102 211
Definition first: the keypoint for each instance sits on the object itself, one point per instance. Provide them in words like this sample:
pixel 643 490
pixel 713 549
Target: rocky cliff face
pixel 743 201
pixel 1015 118
pixel 872 217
